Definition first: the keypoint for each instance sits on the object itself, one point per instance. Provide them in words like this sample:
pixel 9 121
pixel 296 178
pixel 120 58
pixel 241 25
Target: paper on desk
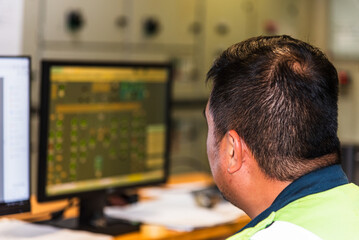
pixel 176 209
pixel 11 229
pixel 160 192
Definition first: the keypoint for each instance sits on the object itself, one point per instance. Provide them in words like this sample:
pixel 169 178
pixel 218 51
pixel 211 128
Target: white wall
pixel 191 34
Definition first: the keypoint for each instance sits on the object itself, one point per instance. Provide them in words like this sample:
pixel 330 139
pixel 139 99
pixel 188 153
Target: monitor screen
pixel 14 135
pixel 102 126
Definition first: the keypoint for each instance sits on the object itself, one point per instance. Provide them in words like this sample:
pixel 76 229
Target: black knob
pixel 151 27
pixel 122 21
pixel 74 21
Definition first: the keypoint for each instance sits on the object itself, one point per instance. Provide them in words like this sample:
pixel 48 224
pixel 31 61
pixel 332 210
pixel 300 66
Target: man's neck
pixel 268 190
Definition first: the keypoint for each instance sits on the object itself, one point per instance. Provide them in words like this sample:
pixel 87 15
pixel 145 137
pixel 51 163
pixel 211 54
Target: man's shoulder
pixel 320 213
pixel 322 205
pixel 347 195
pixel 312 216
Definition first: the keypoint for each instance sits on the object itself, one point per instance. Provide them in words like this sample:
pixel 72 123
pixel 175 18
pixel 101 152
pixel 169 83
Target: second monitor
pixel 102 126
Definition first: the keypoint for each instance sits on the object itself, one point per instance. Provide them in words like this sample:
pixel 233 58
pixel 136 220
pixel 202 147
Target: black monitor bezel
pixel 46 65
pixel 25 205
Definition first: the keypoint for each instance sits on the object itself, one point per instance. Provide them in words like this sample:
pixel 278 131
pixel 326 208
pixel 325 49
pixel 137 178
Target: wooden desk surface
pixel 161 233
pixel 147 232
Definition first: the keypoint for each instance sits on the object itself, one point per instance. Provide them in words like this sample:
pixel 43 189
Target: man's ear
pixel 234 151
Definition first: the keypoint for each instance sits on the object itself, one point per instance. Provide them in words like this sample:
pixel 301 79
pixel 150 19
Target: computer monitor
pixel 103 125
pixel 14 135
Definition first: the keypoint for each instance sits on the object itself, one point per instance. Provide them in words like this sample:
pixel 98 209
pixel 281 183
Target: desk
pixel 160 233
pixel 148 232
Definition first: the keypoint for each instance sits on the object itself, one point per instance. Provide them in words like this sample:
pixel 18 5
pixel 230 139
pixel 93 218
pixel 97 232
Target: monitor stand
pixel 91 218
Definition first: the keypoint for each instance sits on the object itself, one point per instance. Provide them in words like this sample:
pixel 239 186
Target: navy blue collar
pixel 314 182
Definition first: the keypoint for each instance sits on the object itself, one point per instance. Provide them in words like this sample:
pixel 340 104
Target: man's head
pixel 280 96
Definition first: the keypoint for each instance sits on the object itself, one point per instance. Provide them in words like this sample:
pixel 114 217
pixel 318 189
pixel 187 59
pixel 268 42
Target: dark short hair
pixel 280 94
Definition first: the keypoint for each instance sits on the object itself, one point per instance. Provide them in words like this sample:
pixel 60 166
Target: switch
pixel 151 27
pixel 74 21
pixel 122 22
pixel 222 28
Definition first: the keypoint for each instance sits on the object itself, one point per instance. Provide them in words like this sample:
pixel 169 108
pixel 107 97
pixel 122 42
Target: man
pixel 272 141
